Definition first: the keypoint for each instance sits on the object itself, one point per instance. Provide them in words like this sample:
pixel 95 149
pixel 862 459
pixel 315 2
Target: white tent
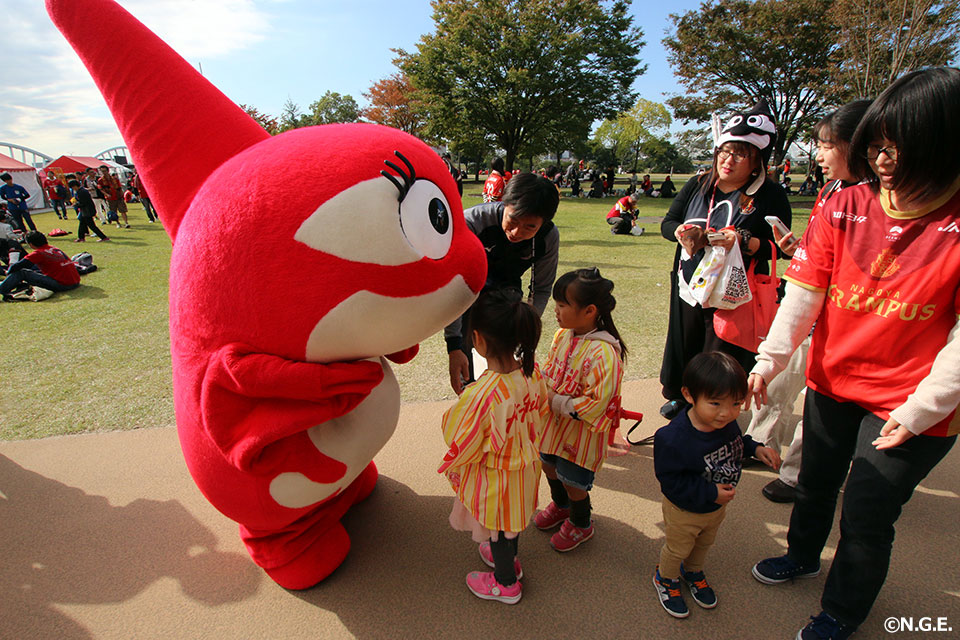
pixel 25 176
pixel 119 169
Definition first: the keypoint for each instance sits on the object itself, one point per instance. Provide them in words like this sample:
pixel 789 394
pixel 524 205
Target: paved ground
pixel 105 536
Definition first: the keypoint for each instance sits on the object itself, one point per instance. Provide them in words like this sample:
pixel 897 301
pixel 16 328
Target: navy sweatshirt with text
pixel 690 463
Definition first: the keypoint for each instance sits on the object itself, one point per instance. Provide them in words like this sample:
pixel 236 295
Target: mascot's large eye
pixel 734 121
pixel 754 121
pixel 425 219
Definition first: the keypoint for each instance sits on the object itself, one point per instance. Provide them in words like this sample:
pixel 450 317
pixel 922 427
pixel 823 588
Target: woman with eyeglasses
pixel 879 273
pixel 722 207
pixel 773 424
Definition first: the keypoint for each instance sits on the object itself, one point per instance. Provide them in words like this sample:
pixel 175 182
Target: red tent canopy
pixel 72 164
pixel 9 164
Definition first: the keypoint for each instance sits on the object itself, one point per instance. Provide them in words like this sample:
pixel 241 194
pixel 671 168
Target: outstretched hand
pixel 893 434
pixel 756 391
pixel 768 456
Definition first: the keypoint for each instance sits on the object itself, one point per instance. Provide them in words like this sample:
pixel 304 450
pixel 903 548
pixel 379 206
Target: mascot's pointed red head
pixel 325 243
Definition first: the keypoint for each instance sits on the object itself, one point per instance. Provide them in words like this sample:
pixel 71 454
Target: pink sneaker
pixel 485 586
pixel 570 537
pixel 487 556
pixel 550 517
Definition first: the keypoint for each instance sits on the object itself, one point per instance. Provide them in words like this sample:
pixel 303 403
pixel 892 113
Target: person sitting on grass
pixel 667 190
pixel 10 247
pixel 622 218
pixel 647 185
pixel 596 187
pixel 45 266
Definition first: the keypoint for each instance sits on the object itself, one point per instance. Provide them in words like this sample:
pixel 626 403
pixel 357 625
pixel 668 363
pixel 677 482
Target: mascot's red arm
pixel 243 394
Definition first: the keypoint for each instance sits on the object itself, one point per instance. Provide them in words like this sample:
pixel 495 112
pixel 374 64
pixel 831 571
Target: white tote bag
pixel 708 272
pixel 731 288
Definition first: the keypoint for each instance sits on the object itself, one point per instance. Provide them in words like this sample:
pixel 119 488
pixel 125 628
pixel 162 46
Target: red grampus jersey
pixel 110 186
pixel 623 205
pixel 493 187
pixel 892 281
pixel 55 263
pixel 829 189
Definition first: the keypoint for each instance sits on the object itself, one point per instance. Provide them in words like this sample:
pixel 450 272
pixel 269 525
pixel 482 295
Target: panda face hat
pixel 755 127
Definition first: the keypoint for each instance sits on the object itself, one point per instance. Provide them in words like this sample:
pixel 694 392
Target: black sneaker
pixel 702 593
pixel 670 597
pixel 779 491
pixel 672 408
pixel 825 627
pixel 781 569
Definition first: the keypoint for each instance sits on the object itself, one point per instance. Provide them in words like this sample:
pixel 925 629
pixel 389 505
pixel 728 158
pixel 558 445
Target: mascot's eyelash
pixel 408 180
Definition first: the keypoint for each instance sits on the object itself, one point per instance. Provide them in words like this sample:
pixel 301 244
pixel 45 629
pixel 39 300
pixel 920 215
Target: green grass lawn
pixel 98 357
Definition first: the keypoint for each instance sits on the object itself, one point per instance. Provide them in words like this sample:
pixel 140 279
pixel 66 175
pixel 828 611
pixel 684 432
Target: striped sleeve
pixel 601 387
pixel 465 428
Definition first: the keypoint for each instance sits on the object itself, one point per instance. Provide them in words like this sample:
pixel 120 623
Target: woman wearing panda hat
pixel 732 198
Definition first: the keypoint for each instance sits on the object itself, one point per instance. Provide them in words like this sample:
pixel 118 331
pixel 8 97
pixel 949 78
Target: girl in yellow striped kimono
pixel 584 370
pixel 494 432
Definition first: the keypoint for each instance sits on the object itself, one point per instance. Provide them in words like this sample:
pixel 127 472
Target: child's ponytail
pixel 585 287
pixel 528 326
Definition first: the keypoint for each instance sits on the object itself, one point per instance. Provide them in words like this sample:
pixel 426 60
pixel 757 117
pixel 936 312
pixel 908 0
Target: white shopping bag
pixel 731 288
pixel 705 276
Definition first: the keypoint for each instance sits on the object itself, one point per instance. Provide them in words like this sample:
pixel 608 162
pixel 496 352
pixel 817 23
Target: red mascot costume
pixel 282 389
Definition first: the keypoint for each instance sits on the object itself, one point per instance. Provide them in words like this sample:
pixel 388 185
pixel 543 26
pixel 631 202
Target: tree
pixel 631 129
pixel 290 116
pixel 884 39
pixel 394 103
pixel 662 156
pixel 268 122
pixel 516 68
pixel 333 107
pixel 734 52
pixel 695 144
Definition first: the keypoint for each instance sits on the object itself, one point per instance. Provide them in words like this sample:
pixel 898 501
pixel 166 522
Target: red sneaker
pixel 487 556
pixel 570 537
pixel 550 517
pixel 485 586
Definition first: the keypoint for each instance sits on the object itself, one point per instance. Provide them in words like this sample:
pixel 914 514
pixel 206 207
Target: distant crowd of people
pixel 94 195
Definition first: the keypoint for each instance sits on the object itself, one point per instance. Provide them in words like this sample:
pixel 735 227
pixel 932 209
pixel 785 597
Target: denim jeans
pixel 879 484
pixel 33 278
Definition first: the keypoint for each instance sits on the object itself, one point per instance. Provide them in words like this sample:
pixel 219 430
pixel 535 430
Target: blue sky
pixel 258 52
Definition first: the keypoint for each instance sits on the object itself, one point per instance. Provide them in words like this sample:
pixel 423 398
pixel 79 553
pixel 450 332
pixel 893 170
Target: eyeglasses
pixel 723 154
pixel 874 151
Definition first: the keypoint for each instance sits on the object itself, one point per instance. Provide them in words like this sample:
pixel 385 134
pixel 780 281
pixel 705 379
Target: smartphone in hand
pixel 777 224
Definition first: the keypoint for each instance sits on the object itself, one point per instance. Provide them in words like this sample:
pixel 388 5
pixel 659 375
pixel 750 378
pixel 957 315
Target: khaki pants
pixel 689 537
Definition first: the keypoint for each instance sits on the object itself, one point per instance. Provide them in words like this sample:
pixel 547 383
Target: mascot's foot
pixel 316 562
pixel 329 549
pixel 365 483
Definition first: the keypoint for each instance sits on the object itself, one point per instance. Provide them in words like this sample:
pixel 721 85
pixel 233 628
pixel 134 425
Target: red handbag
pixel 747 325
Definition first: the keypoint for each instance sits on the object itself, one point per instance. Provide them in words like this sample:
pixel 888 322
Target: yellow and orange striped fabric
pixel 494 432
pixel 590 371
